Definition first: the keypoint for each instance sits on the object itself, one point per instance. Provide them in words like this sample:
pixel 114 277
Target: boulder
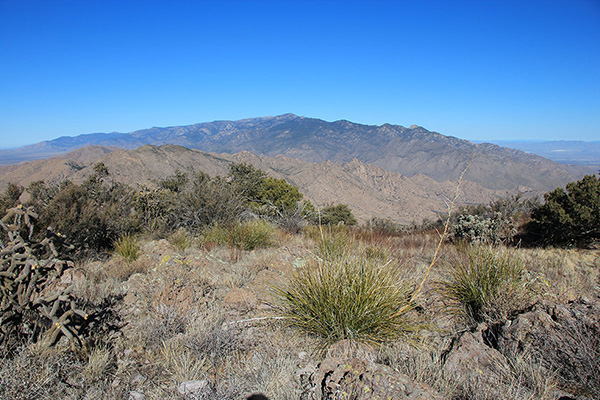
pixel 470 358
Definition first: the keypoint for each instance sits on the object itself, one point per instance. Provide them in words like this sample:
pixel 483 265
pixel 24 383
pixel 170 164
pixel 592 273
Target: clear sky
pixel 477 70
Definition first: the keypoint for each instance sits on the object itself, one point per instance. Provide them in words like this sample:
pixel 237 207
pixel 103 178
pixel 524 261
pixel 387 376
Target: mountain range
pixel 387 171
pixel 409 151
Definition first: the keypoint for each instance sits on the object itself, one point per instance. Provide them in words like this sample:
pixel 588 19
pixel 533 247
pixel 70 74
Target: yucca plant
pixel 127 247
pixel 486 284
pixel 352 297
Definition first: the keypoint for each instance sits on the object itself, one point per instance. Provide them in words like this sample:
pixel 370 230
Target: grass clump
pixel 352 298
pixel 334 244
pixel 253 234
pixel 486 284
pixel 181 239
pixel 248 235
pixel 127 247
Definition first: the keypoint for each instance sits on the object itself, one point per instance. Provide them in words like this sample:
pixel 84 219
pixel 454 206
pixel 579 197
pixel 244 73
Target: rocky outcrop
pixel 560 342
pixel 356 378
pixel 565 339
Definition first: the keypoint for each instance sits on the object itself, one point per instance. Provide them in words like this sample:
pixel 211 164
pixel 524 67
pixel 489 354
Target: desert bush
pixel 127 247
pixel 486 284
pixel 493 229
pixel 382 227
pixel 255 234
pixel 337 214
pixel 175 183
pixel 91 215
pixel 248 235
pixel 248 180
pixel 349 298
pixel 164 323
pixel 569 217
pixel 10 197
pixel 205 201
pixel 180 362
pixel 498 222
pixel 215 234
pixel 152 208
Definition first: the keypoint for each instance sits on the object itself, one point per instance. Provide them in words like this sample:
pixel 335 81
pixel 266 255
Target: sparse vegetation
pixel 486 284
pixel 181 239
pixel 166 311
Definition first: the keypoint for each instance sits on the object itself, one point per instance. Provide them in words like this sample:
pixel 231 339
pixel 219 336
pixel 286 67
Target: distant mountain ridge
pixel 369 190
pixel 409 151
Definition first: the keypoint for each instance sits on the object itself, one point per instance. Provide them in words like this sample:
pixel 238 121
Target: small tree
pixel 569 217
pixel 336 214
pixel 248 180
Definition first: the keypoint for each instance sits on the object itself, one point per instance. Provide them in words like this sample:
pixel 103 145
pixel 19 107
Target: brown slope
pixel 370 191
pixel 53 169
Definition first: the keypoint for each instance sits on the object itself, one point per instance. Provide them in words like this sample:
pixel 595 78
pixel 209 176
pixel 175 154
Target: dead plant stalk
pixel 442 236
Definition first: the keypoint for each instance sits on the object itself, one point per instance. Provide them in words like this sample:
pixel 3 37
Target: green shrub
pixel 337 214
pixel 569 217
pixel 214 234
pixel 486 284
pixel 351 298
pixel 127 247
pixel 249 181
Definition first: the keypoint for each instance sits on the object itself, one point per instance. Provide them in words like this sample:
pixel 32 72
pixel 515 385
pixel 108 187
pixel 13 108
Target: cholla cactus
pixel 31 301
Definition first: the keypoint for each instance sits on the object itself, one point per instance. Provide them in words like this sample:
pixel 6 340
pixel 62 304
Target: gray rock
pixel 470 357
pixel 137 379
pixel 189 387
pixel 133 395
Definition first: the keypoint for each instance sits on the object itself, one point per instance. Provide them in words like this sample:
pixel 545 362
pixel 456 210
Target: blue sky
pixel 478 70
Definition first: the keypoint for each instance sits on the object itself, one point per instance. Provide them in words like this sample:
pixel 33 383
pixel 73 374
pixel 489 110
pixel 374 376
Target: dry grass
pixel 352 297
pixel 127 247
pixel 487 284
pixel 178 326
